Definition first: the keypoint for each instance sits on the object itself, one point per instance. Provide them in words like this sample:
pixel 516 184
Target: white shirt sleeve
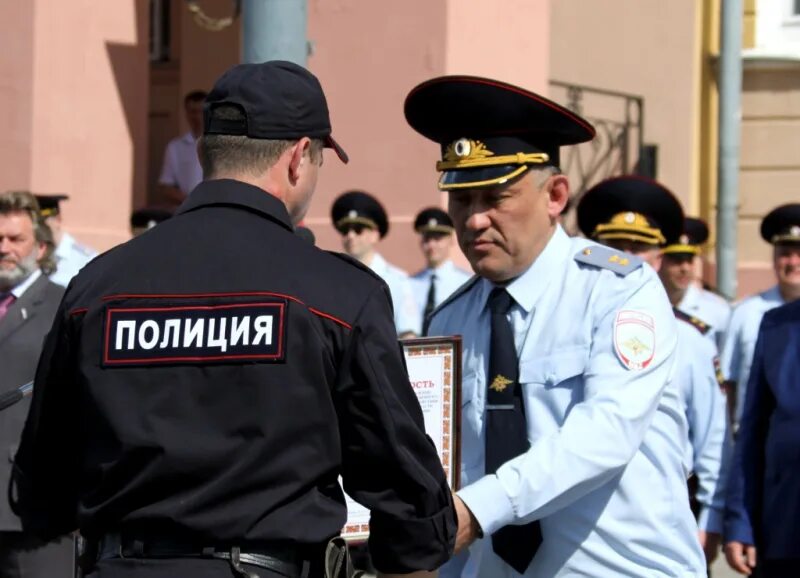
pixel 169 168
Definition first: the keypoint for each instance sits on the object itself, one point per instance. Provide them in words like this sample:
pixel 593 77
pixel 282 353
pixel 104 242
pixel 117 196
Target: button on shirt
pixel 448 279
pixel 705 411
pixel 604 472
pixel 406 313
pixel 740 340
pixel 70 256
pixel 708 307
pixel 181 167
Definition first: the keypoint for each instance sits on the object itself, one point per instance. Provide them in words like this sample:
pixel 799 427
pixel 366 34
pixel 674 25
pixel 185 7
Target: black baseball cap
pixel 279 99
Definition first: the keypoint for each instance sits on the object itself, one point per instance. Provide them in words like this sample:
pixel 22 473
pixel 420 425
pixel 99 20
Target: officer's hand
pixel 741 557
pixel 710 542
pixel 468 528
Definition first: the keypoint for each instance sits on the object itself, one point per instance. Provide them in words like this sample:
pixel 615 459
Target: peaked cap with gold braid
pixel 49 204
pixel 781 226
pixel 490 132
pixel 695 233
pixel 633 209
pixel 359 208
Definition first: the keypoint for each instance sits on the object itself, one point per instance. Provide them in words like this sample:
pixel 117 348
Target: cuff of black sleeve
pixel 403 546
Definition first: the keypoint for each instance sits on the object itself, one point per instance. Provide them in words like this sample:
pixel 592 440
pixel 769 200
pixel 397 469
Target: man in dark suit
pixel 763 507
pixel 28 303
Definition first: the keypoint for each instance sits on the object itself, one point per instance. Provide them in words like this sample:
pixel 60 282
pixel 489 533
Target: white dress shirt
pixel 406 314
pixel 70 256
pixel 740 340
pixel 181 166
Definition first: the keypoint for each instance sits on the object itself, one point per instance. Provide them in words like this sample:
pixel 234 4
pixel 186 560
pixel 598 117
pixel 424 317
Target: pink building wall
pixel 75 77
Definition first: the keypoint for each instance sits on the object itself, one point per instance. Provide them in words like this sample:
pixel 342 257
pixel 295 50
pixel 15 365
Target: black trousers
pixel 173 568
pixel 23 556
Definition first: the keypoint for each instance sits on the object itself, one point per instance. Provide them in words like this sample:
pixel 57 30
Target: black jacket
pixel 214 377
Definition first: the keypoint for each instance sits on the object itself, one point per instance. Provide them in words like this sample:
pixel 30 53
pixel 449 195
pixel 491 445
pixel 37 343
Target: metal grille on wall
pixel 617 149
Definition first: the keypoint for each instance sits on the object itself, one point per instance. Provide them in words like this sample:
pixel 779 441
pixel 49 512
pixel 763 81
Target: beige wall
pixel 368 55
pixel 648 48
pixel 75 77
pixel 770 164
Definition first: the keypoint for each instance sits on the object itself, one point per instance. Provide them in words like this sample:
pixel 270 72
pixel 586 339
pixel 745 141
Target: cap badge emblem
pixel 794 231
pixel 500 383
pixel 684 239
pixel 630 218
pixel 352 214
pixel 466 149
pixel 432 222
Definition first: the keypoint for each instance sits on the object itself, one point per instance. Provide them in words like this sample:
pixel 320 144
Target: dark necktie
pixel 430 304
pixel 506 430
pixel 6 300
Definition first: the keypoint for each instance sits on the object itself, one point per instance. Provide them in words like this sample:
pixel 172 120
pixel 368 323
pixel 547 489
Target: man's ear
pixel 300 149
pixel 559 194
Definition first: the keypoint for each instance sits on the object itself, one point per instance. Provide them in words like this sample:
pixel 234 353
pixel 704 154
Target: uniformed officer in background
pixel 206 384
pixel 640 216
pixel 440 277
pixel 678 270
pixel 572 428
pixel 70 254
pixel 781 228
pixel 361 220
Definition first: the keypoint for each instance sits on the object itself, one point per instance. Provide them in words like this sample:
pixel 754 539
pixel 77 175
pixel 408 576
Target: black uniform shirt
pixel 213 378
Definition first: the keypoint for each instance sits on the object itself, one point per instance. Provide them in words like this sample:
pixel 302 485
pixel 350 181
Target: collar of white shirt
pixel 20 289
pixel 530 285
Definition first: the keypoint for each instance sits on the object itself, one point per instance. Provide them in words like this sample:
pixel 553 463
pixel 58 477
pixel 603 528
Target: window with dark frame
pixel 159 30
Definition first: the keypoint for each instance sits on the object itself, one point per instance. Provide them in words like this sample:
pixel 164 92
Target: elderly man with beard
pixel 28 303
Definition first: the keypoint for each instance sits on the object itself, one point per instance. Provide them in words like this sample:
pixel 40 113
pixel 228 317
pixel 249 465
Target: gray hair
pixel 25 202
pixel 222 154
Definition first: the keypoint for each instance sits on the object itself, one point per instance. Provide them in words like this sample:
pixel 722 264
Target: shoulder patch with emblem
pixel 634 338
pixel 698 324
pixel 608 258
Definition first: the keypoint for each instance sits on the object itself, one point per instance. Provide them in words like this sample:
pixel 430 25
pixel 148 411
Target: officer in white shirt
pixel 70 255
pixel 640 217
pixel 181 171
pixel 781 228
pixel 440 277
pixel 573 430
pixel 361 220
pixel 684 291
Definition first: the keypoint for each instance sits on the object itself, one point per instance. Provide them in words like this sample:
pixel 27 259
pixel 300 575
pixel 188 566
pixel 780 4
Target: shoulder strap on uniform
pixel 608 258
pixel 355 263
pixel 698 324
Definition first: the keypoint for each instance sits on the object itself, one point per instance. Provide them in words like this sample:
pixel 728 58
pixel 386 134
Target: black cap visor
pixel 480 177
pixel 332 144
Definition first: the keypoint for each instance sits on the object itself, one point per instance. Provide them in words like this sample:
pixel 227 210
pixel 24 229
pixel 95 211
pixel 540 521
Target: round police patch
pixel 634 339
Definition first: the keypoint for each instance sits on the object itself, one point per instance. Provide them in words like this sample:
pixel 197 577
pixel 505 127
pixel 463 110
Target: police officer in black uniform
pixel 205 385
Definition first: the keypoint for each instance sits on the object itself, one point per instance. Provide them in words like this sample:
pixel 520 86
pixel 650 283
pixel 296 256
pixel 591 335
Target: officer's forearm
pixel 418 574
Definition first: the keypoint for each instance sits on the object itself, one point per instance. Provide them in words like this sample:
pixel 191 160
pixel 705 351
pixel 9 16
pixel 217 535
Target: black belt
pixel 282 559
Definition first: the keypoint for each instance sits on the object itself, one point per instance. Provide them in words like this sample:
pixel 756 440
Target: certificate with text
pixel 434 370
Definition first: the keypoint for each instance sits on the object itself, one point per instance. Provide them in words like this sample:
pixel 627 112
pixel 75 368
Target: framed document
pixel 434 370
